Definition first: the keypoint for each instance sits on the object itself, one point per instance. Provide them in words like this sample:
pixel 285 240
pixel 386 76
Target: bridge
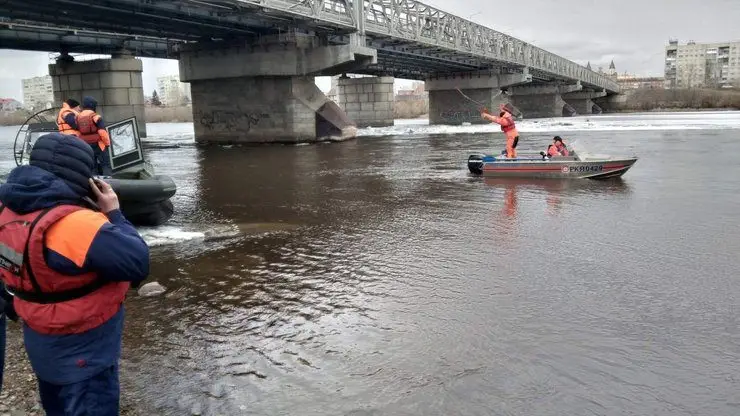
pixel 251 63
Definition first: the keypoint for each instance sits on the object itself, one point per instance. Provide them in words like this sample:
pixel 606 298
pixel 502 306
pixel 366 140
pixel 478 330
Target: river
pixel 377 277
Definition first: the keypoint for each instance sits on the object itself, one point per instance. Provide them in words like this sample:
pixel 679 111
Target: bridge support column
pixel 582 101
pixel 611 103
pixel 265 92
pixel 115 83
pixel 448 106
pixel 368 100
pixel 543 100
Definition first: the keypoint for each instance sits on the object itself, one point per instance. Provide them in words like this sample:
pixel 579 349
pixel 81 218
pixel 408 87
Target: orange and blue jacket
pixel 92 128
pixel 81 243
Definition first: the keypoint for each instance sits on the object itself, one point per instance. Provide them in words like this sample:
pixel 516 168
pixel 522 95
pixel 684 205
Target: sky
pixel 633 33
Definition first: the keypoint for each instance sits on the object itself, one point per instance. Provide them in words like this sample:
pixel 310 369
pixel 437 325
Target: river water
pixel 377 277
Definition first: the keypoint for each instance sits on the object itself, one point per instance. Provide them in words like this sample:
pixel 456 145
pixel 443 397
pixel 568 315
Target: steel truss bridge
pixel 413 40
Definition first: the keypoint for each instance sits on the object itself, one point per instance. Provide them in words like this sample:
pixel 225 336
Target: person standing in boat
pixel 67 117
pixel 69 268
pixel 92 130
pixel 506 120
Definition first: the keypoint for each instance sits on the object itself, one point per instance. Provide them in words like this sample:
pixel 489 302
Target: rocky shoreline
pixel 20 391
pixel 20 396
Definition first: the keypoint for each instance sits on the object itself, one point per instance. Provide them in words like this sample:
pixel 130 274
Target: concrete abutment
pixel 265 92
pixel 115 83
pixel 368 100
pixel 448 106
pixel 265 110
pixel 543 101
pixel 583 101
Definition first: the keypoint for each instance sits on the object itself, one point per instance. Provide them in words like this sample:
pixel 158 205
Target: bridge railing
pixel 339 12
pixel 417 22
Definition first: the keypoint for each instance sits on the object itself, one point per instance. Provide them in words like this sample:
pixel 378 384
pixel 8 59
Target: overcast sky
pixel 632 32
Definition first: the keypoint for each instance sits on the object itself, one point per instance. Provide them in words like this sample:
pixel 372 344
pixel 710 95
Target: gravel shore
pixel 20 392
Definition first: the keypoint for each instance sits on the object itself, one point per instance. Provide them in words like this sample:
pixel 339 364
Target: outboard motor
pixel 475 164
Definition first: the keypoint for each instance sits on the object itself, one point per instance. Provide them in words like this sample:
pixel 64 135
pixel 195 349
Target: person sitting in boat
pixel 92 131
pixel 506 120
pixel 557 148
pixel 67 117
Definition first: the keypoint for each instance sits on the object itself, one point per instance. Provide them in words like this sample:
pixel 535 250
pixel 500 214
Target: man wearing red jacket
pixel 506 120
pixel 69 266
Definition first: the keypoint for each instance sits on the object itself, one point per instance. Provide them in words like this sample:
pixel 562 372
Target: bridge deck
pixel 413 40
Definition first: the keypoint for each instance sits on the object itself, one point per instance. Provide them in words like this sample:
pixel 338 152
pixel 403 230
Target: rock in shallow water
pixel 151 289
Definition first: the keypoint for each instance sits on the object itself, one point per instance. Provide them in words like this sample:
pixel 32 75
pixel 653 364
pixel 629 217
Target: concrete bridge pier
pixel 264 91
pixel 115 83
pixel 368 100
pixel 611 103
pixel 539 101
pixel 448 106
pixel 582 101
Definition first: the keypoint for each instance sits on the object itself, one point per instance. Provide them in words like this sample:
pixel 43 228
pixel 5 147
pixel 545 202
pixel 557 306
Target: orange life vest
pixel 86 124
pixel 65 128
pixel 50 302
pixel 511 126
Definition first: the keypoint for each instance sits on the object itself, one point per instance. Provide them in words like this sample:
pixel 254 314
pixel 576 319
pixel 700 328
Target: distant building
pixel 172 92
pixel 611 73
pixel 37 93
pixel 417 92
pixel 9 105
pixel 417 88
pixel 709 65
pixel 633 82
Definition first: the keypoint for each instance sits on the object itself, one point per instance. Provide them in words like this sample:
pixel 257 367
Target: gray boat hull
pixel 561 167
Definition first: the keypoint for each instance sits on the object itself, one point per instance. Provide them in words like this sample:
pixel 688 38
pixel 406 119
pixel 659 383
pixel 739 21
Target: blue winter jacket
pixel 117 252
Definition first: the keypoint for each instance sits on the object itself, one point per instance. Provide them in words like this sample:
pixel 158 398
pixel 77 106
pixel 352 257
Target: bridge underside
pixel 158 29
pixel 423 49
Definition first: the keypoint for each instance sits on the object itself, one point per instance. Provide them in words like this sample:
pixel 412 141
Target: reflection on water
pixel 553 191
pixel 377 276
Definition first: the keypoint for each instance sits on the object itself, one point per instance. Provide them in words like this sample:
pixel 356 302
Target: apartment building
pixel 37 93
pixel 172 92
pixel 708 65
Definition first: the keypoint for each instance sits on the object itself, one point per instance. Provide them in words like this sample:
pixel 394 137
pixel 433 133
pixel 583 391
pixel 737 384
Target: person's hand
pixel 105 197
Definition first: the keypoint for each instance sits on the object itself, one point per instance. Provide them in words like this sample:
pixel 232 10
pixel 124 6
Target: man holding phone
pixel 69 267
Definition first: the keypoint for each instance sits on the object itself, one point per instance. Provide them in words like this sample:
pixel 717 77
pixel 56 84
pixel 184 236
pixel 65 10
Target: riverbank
pixel 694 99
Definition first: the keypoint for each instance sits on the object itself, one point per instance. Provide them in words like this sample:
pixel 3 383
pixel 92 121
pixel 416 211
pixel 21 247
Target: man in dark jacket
pixel 92 130
pixel 69 268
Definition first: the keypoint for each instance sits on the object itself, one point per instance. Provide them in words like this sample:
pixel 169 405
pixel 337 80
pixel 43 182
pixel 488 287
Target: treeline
pixel 15 118
pixel 151 115
pixel 411 108
pixel 683 99
pixel 168 114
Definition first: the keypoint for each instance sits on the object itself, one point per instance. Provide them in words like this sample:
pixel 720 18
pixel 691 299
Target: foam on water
pixel 167 235
pixel 652 121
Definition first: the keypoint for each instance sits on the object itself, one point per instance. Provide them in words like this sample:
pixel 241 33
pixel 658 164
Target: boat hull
pixel 558 167
pixel 145 201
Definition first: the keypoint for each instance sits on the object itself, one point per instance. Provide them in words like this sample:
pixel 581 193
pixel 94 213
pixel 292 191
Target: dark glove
pixel 6 305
